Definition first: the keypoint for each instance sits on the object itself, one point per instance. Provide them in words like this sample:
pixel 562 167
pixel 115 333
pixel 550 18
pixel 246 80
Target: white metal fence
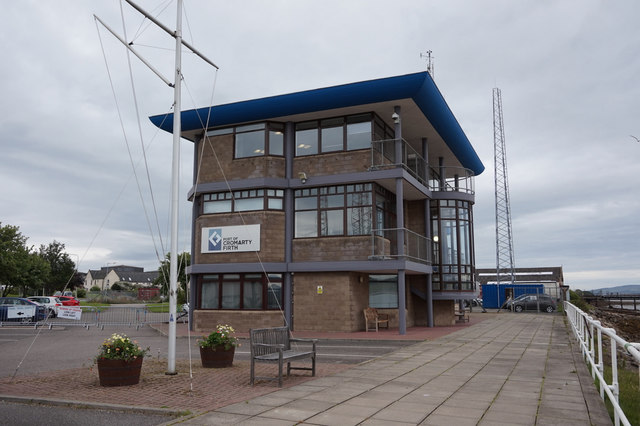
pixel 132 316
pixel 590 333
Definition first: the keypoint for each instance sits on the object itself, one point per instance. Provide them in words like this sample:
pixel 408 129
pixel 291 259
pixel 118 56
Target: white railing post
pixel 581 324
pixel 614 380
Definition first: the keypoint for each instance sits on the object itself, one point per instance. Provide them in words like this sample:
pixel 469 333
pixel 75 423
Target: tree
pixel 20 267
pixel 62 267
pixel 184 260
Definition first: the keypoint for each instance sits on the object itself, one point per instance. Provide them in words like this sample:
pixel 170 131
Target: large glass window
pixel 306 138
pixel 241 291
pixel 383 291
pixel 340 134
pixel 359 132
pixel 254 140
pixel 332 134
pixel 241 201
pixel 339 210
pixel 453 258
pixel 276 139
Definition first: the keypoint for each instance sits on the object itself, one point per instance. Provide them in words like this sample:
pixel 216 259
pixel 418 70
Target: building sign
pixel 70 312
pixel 226 239
pixel 28 311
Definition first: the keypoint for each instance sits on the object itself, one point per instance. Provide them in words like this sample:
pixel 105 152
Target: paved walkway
pixel 511 369
pixel 498 369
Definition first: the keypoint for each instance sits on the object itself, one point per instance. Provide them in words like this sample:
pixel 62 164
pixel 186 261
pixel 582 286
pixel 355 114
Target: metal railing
pixel 589 333
pixel 450 178
pixel 132 316
pixel 384 245
pixel 383 155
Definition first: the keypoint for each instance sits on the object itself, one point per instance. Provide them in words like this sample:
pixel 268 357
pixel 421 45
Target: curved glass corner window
pixel 453 257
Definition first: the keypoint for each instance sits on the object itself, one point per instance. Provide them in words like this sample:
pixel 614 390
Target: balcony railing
pixel 456 179
pixel 384 245
pixel 383 156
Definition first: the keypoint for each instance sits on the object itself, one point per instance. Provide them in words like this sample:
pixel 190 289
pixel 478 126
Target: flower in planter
pixel 119 346
pixel 221 337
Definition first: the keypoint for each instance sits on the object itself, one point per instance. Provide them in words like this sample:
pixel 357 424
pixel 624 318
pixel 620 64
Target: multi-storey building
pixel 311 206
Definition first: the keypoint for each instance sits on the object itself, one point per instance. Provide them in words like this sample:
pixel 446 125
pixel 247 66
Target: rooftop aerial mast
pixel 505 270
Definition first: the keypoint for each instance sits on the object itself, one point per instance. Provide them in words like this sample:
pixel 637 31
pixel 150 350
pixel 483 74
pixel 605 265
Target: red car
pixel 69 301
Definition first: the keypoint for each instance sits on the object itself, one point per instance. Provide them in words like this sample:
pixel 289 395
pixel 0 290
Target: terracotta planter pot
pixel 118 372
pixel 218 358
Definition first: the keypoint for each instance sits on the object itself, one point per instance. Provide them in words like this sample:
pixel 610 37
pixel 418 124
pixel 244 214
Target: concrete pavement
pixel 515 369
pixel 499 369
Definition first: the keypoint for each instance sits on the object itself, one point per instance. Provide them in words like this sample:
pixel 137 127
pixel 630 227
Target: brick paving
pixel 202 390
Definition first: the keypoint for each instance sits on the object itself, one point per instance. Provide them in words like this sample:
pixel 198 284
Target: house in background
pixel 106 276
pixel 310 207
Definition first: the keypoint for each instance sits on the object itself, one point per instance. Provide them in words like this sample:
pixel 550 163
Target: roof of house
pixel 417 94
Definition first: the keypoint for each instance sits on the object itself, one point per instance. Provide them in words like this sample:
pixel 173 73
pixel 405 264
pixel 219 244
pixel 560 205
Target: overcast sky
pixel 568 71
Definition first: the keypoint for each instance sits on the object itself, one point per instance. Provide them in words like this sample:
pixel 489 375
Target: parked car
pixel 69 301
pixel 25 310
pixel 49 302
pixel 531 302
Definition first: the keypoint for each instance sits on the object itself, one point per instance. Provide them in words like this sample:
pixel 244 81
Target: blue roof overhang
pixel 424 113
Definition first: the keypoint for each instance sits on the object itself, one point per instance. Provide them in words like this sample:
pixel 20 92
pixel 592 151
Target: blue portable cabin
pixel 494 295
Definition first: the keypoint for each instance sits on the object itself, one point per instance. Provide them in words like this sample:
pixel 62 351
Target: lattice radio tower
pixel 505 271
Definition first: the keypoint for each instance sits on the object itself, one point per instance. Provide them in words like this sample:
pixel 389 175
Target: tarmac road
pixel 18 414
pixel 26 350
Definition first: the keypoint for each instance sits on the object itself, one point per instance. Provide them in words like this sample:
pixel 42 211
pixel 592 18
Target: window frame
pixel 267 282
pixel 310 200
pixel 233 198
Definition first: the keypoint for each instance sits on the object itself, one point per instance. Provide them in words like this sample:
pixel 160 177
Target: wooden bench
pixel 372 319
pixel 462 316
pixel 273 345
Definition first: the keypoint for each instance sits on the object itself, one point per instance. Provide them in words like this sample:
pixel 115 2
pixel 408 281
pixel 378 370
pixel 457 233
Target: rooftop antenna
pixel 427 57
pixel 505 270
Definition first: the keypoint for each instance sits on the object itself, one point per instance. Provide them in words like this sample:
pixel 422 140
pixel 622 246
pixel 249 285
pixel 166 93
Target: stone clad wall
pixel 215 170
pixel 336 309
pixel 205 321
pixel 271 236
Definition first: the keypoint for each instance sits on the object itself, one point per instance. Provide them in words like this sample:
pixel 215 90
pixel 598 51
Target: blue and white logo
pixel 215 239
pixel 227 239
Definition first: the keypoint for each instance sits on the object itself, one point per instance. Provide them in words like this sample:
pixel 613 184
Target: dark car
pixel 19 309
pixel 532 302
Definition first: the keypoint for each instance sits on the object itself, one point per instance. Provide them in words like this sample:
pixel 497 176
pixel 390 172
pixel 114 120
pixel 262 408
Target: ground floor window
pixel 383 291
pixel 240 291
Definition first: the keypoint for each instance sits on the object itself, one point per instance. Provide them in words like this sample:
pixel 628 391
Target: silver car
pixel 49 302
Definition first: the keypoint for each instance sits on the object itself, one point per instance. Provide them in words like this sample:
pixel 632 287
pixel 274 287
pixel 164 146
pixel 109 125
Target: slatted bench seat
pixel 273 345
pixel 462 315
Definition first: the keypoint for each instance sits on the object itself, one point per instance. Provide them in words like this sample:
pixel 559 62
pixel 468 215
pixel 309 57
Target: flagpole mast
pixel 175 176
